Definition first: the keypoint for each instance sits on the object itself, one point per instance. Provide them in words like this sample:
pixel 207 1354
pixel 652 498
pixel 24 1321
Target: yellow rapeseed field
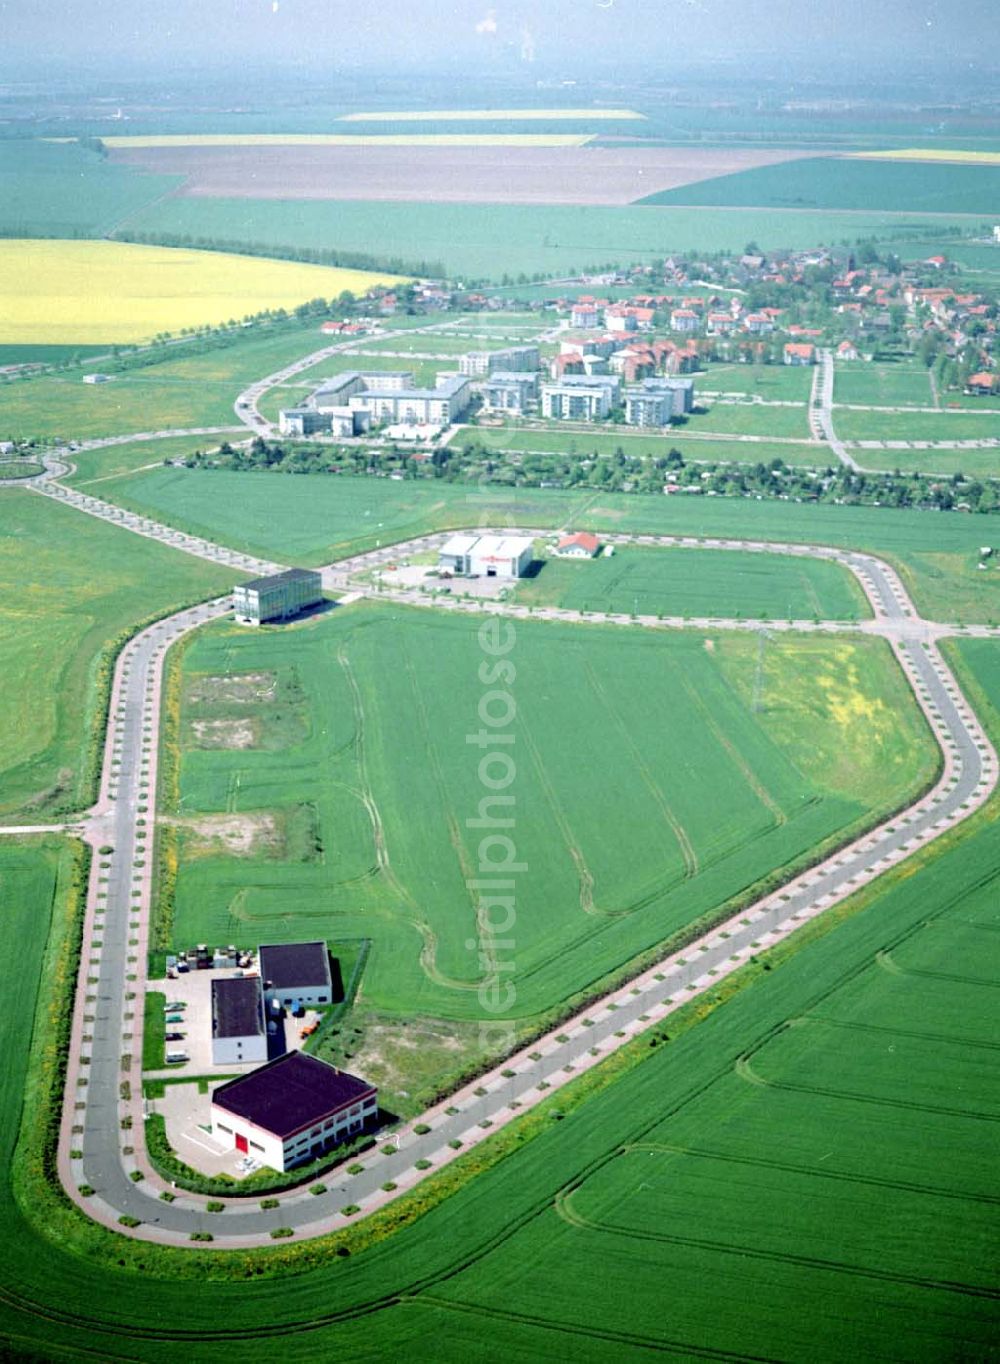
pixel 349 140
pixel 92 292
pixel 932 154
pixel 488 115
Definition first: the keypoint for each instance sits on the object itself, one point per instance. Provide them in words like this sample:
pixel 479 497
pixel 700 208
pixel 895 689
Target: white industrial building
pixel 296 971
pixel 581 397
pixel 278 596
pixel 239 1033
pixel 292 1110
pixel 487 556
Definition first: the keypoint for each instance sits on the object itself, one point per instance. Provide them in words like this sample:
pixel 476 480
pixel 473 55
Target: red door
pixel 241 1143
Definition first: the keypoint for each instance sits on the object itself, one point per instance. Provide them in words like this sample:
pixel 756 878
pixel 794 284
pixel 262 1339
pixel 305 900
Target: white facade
pixel 580 398
pixel 487 556
pixel 284 1153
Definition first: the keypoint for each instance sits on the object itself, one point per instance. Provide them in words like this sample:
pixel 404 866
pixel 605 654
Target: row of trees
pixel 617 472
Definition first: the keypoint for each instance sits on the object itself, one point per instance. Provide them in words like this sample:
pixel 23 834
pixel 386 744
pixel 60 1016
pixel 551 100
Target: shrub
pixel 318 1189
pixel 127 1221
pixel 388 1186
pixel 268 1203
pixel 135 1176
pixel 279 1232
pixel 422 1164
pixel 85 1189
pixel 201 1236
pixel 355 1169
pixel 422 1128
pixel 455 1143
pixel 213 1205
pixel 167 1197
pixel 350 1209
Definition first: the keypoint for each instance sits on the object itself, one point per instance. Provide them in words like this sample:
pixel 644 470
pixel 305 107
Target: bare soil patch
pixel 244 835
pixel 235 733
pixel 241 688
pixel 597 174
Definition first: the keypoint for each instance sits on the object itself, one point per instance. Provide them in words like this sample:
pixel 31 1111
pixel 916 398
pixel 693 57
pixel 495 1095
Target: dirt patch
pixel 602 174
pixel 246 835
pixel 237 688
pixel 237 733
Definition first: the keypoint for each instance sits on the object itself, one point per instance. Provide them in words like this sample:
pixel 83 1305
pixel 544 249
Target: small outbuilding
pixel 582 545
pixel 296 971
pixel 292 1110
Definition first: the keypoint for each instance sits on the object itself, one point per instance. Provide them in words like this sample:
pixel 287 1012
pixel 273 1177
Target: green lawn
pixel 937 426
pixel 93 467
pixel 56 628
pixel 356 756
pixel 154 1031
pixel 846 1164
pixel 972 463
pixel 883 385
pixel 752 419
pixel 782 383
pixel 696 582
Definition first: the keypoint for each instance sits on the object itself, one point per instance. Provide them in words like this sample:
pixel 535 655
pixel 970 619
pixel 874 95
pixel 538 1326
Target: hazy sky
pixel 663 33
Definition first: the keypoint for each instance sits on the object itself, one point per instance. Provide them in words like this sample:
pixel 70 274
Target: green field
pixel 57 623
pixel 698 582
pixel 312 519
pixel 846 183
pixel 883 385
pixel 972 463
pixel 845 1164
pixel 115 461
pixel 782 383
pixel 751 419
pixel 937 426
pixel 486 241
pixel 352 745
pixel 62 190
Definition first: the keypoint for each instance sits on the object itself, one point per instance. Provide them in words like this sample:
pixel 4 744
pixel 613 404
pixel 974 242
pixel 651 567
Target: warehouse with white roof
pixel 487 556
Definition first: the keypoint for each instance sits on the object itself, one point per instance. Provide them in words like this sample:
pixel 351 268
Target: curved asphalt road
pixel 97 1150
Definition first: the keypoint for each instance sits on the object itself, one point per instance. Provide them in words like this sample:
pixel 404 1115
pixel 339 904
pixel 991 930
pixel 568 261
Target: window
pixel 223 1128
pixel 256 1146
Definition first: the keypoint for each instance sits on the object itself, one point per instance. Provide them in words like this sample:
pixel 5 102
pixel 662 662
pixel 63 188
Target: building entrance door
pixel 241 1143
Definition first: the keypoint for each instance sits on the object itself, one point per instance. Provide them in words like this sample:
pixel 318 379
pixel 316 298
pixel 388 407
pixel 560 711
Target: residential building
pixel 847 350
pixel 296 971
pixel 277 597
pixel 584 315
pixel 446 402
pixel 292 1110
pixel 984 383
pixel 518 358
pixel 487 556
pixel 580 397
pixel 506 392
pixel 684 320
pixel 799 353
pixel 656 402
pixel 335 392
pixel 239 1033
pixel 582 545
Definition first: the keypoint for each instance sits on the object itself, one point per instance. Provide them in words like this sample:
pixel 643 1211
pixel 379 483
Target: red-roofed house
pixel 684 320
pixel 847 350
pixel 800 353
pixel 582 545
pixel 982 383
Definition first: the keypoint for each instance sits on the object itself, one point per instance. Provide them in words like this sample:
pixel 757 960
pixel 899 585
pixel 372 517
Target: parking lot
pixel 193 990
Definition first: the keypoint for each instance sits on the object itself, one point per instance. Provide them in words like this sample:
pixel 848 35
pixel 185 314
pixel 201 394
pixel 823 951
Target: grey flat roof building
pixel 237 1007
pixel 291 1093
pixel 277 596
pixel 293 964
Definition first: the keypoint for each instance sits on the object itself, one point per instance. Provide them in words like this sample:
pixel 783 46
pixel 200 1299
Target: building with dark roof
pixel 296 971
pixel 239 1033
pixel 278 596
pixel 292 1110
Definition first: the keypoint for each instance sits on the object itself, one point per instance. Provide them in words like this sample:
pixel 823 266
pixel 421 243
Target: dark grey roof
pixel 291 1093
pixel 289 965
pixel 237 1007
pixel 290 575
